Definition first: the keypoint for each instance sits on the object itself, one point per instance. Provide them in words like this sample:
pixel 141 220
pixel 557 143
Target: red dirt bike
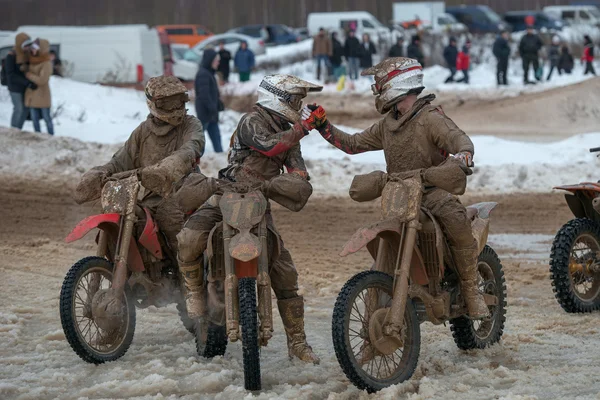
pixel 575 254
pixel 377 315
pixel 100 294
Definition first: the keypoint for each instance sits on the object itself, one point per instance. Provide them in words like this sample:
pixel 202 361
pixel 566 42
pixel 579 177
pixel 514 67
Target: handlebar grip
pixel 594 149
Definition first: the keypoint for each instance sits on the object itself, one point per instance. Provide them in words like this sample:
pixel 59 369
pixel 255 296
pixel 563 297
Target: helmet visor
pixel 172 102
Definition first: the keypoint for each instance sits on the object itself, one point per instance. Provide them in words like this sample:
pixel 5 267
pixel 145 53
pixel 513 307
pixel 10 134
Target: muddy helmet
pixel 166 97
pixel 283 94
pixel 395 78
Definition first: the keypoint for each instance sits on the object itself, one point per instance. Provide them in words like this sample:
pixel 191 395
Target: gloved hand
pixel 32 85
pixel 313 117
pixel 466 157
pixel 90 186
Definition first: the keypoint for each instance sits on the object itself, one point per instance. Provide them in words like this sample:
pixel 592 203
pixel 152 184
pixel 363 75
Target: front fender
pixel 365 235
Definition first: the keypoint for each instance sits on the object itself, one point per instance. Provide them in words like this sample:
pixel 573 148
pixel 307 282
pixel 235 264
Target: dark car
pixel 479 19
pixel 277 34
pixel 542 20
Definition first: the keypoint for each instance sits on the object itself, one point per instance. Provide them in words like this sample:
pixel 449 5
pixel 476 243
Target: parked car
pixel 543 20
pixel 185 62
pixel 302 33
pixel 277 34
pixel 447 22
pixel 185 34
pixel 479 19
pixel 360 21
pixel 575 15
pixel 232 43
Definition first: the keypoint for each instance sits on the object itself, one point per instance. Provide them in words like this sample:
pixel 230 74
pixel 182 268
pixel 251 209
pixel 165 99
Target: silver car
pixel 232 43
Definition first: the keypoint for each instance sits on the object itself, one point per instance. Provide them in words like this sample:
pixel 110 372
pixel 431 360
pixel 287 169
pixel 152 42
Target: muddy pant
pixel 193 240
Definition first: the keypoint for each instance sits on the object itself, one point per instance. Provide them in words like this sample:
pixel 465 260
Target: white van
pixel 585 15
pixel 106 54
pixel 361 21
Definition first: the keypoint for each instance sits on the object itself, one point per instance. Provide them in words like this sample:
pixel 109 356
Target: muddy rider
pixel 266 140
pixel 164 149
pixel 414 134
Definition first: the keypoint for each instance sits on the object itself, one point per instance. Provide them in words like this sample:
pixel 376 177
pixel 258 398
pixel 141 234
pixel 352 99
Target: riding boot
pixel 292 315
pixel 466 265
pixel 193 277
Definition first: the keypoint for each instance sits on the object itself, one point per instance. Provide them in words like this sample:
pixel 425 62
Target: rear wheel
pixel 211 339
pixel 574 260
pixel 249 324
pixel 94 338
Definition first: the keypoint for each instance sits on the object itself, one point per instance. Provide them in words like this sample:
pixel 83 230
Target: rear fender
pixel 365 235
pixel 483 209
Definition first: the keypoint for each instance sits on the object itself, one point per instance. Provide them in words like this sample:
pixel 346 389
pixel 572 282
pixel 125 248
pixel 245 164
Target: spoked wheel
pixel 250 342
pixel 478 334
pixel 575 266
pixel 358 317
pixel 94 334
pixel 211 339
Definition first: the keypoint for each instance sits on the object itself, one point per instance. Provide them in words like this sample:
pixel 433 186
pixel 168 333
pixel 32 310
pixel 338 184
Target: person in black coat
pixel 352 51
pixel 566 61
pixel 501 51
pixel 208 102
pixel 225 58
pixel 16 81
pixel 529 49
pixel 414 50
pixel 450 55
pixel 337 52
pixel 367 51
pixel 397 50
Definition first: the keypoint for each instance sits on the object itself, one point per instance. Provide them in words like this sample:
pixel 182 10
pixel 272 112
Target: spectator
pixel 15 61
pixel 321 51
pixel 451 56
pixel 367 51
pixel 352 51
pixel 225 59
pixel 39 99
pixel 566 61
pixel 554 56
pixel 244 61
pixel 208 102
pixel 463 62
pixel 501 51
pixel 588 55
pixel 57 68
pixel 528 49
pixel 397 50
pixel 414 50
pixel 336 56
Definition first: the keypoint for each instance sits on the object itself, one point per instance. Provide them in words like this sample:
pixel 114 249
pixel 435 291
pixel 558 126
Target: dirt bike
pixel 377 314
pixel 575 254
pixel 100 294
pixel 238 257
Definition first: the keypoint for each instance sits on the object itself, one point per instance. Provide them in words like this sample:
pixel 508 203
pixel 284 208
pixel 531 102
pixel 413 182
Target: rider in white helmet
pixel 265 142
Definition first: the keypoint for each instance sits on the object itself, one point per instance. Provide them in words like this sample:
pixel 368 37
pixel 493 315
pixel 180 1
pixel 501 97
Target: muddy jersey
pixel 262 146
pixel 415 140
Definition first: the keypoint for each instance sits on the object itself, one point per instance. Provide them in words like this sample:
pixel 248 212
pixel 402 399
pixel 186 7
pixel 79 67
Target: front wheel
pixel 573 266
pixel 95 338
pixel 367 295
pixel 479 334
pixel 249 324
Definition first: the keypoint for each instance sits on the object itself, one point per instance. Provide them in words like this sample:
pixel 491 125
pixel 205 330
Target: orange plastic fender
pixel 364 235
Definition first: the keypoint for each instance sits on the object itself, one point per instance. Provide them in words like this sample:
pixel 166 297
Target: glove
pixel 313 117
pixel 90 186
pixel 466 157
pixel 32 85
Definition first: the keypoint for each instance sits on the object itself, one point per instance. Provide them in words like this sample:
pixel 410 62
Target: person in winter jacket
pixel 367 51
pixel 414 50
pixel 164 149
pixel 414 134
pixel 208 101
pixel 337 52
pixel 321 51
pixel 554 56
pixel 451 56
pixel 57 67
pixel 244 61
pixel 588 56
pixel 14 63
pixel 529 48
pixel 353 52
pixel 566 61
pixel 463 62
pixel 224 60
pixel 501 51
pixel 39 100
pixel 397 50
pixel 265 142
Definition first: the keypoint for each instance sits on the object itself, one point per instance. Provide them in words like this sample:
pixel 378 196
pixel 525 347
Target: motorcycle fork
pixel 95 279
pixel 232 304
pixel 265 307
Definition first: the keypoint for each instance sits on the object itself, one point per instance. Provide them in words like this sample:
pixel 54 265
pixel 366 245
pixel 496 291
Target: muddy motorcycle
pixel 238 267
pixel 377 315
pixel 575 254
pixel 100 294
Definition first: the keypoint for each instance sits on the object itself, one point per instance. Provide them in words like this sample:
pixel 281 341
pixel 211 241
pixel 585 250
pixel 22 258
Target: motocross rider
pixel 414 134
pixel 266 140
pixel 164 149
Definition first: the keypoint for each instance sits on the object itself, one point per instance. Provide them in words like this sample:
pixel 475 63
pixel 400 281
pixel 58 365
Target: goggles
pixel 170 103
